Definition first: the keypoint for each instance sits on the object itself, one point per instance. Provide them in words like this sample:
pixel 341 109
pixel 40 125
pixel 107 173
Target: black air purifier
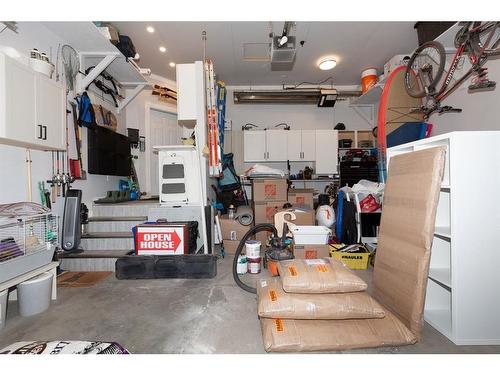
pixel 71 226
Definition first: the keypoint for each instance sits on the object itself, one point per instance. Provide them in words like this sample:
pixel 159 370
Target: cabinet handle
pixel 265 154
pixel 40 129
pixel 45 132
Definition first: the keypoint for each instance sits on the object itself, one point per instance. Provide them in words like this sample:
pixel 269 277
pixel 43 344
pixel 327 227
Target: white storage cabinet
pixel 265 145
pixel 32 108
pixel 301 145
pixel 462 300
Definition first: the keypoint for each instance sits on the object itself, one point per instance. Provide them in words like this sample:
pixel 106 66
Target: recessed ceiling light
pixel 172 64
pixel 150 29
pixel 162 49
pixel 327 64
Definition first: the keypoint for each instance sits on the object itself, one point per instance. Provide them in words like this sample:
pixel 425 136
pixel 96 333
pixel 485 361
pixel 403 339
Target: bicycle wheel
pixel 479 38
pixel 427 65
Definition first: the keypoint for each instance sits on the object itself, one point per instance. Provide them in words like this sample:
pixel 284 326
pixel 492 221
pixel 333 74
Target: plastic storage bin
pixel 4 296
pixel 34 294
pixel 310 235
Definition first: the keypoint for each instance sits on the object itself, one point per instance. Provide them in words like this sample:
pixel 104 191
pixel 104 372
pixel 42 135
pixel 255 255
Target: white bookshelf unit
pixel 463 289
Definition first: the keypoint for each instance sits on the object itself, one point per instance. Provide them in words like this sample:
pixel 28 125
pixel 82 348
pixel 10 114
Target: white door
pixel 308 145
pixel 326 151
pixel 20 101
pixel 254 145
pixel 163 131
pixel 276 145
pixel 294 145
pixel 50 113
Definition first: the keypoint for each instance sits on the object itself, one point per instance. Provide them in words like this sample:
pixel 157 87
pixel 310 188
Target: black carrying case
pixel 166 267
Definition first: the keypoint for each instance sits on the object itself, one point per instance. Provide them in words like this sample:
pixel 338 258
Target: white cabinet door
pixel 19 98
pixel 254 145
pixel 294 145
pixel 326 151
pixel 308 145
pixel 49 129
pixel 276 144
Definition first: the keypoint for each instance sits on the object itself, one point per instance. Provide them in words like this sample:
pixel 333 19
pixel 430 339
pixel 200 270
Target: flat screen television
pixel 108 152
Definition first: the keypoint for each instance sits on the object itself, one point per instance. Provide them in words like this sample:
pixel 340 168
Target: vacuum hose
pixel 257 228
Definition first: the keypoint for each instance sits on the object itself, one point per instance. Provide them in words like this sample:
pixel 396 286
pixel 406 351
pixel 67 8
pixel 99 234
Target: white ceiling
pixel 357 45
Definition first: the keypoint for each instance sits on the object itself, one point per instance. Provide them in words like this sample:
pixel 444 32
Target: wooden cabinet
pixel 254 145
pixel 301 145
pixel 326 151
pixel 32 108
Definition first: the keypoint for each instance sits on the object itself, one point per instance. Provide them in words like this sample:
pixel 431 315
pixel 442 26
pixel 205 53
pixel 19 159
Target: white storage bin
pixel 34 294
pixel 310 235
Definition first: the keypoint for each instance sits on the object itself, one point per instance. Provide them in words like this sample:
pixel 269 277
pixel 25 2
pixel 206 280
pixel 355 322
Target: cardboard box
pixel 301 197
pixel 303 216
pixel 311 251
pixel 269 190
pixel 274 302
pixel 230 247
pixel 232 229
pixel 355 261
pixel 318 276
pixel 264 212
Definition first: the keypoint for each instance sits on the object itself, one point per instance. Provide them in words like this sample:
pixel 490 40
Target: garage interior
pixel 249 187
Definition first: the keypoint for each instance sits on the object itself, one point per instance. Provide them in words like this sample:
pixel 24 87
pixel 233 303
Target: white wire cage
pixel 26 243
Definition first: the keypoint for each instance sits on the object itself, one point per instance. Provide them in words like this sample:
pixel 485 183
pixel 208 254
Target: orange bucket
pixel 368 79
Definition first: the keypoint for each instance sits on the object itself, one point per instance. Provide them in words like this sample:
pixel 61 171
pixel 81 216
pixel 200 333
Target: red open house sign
pixel 160 240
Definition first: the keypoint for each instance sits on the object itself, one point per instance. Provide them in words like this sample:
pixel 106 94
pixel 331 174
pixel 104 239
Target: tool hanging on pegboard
pixel 215 167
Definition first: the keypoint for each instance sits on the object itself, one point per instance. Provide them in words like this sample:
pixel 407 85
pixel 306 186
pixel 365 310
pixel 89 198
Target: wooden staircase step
pixel 117 218
pixel 100 235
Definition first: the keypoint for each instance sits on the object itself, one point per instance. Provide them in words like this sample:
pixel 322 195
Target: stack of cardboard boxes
pixel 232 233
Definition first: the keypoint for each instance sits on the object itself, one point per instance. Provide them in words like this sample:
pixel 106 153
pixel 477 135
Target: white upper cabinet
pixel 254 145
pixel 308 145
pixel 294 145
pixel 276 145
pixel 32 108
pixel 326 151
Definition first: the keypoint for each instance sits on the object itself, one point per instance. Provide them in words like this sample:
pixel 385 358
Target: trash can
pixel 34 294
pixel 4 296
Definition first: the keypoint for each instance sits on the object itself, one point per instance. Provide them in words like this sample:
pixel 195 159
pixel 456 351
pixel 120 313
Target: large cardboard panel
pixel 264 212
pixel 269 190
pixel 232 229
pixel 318 276
pixel 406 232
pixel 274 302
pixel 311 251
pixel 282 335
pixel 303 197
pixel 230 247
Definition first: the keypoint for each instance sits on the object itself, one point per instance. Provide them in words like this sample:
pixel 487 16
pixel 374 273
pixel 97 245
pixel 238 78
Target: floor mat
pixel 81 279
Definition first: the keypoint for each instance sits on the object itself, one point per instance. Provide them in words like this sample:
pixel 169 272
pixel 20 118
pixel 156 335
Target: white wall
pixel 297 116
pixel 13 170
pixel 479 109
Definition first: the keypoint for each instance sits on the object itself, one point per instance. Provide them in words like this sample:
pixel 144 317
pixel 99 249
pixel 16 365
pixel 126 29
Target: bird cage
pixel 26 243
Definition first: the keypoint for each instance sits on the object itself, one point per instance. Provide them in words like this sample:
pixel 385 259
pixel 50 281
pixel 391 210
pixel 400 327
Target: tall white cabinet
pixel 463 289
pixel 32 108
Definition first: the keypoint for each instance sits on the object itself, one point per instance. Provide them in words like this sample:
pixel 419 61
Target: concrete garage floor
pixel 173 316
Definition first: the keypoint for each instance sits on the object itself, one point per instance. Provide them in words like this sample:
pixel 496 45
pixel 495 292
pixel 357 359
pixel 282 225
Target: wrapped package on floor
pixel 318 276
pixel 274 302
pixel 401 267
pixel 288 335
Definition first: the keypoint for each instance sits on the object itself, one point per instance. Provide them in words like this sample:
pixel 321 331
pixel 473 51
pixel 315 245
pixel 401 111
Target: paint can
pixel 242 266
pixel 368 79
pixel 254 265
pixel 252 248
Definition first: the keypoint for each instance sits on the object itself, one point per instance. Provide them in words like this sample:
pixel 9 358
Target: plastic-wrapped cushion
pixel 274 302
pixel 282 335
pixel 318 276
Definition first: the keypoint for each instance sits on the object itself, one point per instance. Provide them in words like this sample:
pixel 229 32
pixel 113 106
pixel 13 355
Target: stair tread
pixel 117 218
pixel 108 235
pixel 97 254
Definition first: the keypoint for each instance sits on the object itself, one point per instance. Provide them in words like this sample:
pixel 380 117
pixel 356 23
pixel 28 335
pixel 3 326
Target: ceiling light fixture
pixel 150 29
pixel 162 49
pixel 172 64
pixel 327 64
